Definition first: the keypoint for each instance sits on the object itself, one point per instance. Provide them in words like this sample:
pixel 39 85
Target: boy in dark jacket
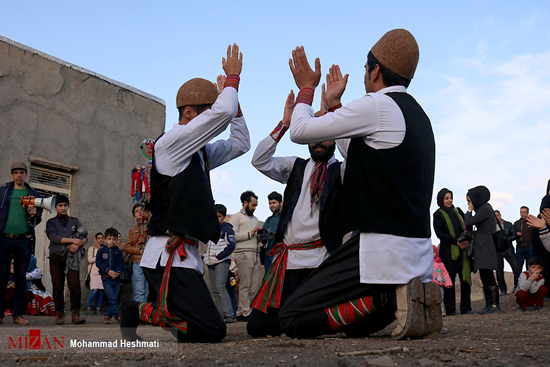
pixel 110 262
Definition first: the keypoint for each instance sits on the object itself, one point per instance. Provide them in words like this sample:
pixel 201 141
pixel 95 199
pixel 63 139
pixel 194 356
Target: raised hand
pixel 546 215
pixel 289 107
pixel 533 221
pixel 234 62
pixel 323 110
pixel 336 85
pixel 220 83
pixel 304 76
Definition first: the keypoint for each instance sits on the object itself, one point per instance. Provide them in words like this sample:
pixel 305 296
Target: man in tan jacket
pixel 135 244
pixel 247 256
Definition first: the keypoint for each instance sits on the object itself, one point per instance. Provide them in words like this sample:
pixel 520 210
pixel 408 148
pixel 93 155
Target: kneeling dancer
pixel 309 227
pixel 183 212
pixel 384 271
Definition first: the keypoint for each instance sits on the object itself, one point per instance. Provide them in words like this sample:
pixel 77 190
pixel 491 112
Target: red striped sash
pixel 272 289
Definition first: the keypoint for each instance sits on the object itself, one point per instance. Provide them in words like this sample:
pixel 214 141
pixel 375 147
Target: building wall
pixel 54 111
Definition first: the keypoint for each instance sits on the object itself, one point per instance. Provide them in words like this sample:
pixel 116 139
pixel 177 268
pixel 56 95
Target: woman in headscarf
pixel 483 251
pixel 448 225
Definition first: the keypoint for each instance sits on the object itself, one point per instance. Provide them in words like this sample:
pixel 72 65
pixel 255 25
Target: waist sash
pixel 272 289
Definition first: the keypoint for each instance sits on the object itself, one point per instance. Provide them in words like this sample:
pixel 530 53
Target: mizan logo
pixel 34 341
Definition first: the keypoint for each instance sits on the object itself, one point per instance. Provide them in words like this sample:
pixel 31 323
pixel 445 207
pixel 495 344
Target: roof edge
pixel 82 70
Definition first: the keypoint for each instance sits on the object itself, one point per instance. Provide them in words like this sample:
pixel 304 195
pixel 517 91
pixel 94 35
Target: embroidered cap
pixel 398 51
pixel 196 92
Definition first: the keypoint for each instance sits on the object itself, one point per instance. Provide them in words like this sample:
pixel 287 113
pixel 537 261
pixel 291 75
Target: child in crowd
pixel 95 282
pixel 218 259
pixel 110 262
pixel 441 276
pixel 531 289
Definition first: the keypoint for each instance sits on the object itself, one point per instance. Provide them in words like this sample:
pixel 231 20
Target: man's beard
pixel 321 156
pixel 249 211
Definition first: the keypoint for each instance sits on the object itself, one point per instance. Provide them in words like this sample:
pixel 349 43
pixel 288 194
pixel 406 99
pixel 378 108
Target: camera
pixel 465 236
pixel 262 235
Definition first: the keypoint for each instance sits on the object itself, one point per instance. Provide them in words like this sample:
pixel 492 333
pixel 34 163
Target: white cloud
pixel 221 181
pixel 492 126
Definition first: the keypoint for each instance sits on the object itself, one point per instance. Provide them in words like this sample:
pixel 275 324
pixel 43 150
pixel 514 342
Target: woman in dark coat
pixel 448 225
pixel 483 250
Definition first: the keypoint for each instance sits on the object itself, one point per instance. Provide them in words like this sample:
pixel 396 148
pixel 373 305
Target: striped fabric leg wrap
pixel 349 312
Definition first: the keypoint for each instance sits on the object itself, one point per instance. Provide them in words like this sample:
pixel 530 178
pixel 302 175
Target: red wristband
pixel 305 96
pixel 232 80
pixel 332 109
pixel 239 112
pixel 279 131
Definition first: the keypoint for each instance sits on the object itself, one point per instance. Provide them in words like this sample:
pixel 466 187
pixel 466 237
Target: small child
pixel 531 289
pixel 110 262
pixel 441 275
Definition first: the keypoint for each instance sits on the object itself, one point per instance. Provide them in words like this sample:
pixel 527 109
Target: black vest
pixel 183 204
pixel 330 226
pixel 390 190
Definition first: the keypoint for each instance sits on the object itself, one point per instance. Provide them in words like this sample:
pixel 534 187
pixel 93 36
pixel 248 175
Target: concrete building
pixel 80 133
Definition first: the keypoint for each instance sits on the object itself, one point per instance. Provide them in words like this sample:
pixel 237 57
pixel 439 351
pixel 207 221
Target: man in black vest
pixel 384 271
pixel 300 245
pixel 182 209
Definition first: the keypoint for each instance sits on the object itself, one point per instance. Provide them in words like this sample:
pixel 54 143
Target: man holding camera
pixel 300 245
pixel 16 238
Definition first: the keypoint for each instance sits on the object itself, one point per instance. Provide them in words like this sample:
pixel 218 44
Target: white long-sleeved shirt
pixel 303 226
pixel 383 258
pixel 173 152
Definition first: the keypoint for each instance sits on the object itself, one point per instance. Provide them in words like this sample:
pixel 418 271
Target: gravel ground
pixel 507 339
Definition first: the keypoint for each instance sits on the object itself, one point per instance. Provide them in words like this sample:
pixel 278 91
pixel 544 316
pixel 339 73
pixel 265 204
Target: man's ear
pixel 188 115
pixel 375 73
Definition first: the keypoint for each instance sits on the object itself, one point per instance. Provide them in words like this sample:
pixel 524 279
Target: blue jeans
pixel 96 294
pixel 524 254
pixel 111 288
pixel 139 284
pixel 218 278
pixel 20 250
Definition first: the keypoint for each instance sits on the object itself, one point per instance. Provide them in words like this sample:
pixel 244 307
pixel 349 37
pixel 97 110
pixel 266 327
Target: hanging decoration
pixel 141 175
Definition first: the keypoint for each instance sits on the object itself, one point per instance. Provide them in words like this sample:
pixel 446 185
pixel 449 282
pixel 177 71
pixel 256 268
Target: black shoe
pixel 242 318
pixel 129 319
pixel 466 312
pixel 502 292
pixel 491 300
pixel 452 313
pixel 229 319
pixel 539 308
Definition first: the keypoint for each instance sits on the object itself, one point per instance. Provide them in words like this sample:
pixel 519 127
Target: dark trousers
pixel 512 260
pixel 335 282
pixel 487 277
pixel 523 255
pixel 18 249
pixel 188 298
pixel 58 264
pixel 449 295
pixel 262 324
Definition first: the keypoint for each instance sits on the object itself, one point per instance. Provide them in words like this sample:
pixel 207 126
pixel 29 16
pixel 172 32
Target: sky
pixel 483 77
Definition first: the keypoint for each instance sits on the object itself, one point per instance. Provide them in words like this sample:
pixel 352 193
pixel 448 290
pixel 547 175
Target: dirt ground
pixel 506 339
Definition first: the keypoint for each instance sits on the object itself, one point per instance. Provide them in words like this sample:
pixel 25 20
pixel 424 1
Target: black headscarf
pixel 479 195
pixel 457 224
pixel 545 203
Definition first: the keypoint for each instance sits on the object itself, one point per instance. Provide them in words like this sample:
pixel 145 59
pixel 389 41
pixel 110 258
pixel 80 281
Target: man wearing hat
pixel 16 238
pixel 182 209
pixel 384 271
pixel 309 228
